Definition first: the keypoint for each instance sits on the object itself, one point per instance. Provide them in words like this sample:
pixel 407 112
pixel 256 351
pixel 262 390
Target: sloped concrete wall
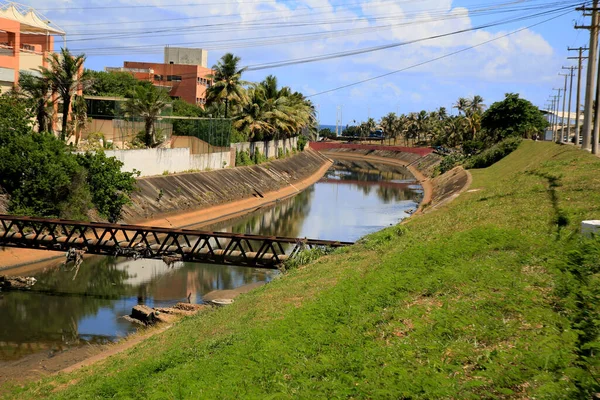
pixel 159 195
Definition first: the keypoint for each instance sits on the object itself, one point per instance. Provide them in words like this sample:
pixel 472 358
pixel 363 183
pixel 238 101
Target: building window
pixel 173 78
pixel 175 97
pixel 158 77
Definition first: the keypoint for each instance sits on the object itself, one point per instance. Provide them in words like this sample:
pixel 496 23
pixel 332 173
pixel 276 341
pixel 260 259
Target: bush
pixel 450 162
pixel 280 153
pixel 243 158
pixel 110 187
pixel 494 154
pixel 258 158
pixel 302 140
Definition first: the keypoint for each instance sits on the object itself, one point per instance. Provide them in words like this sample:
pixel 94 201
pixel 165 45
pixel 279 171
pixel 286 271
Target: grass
pixel 480 299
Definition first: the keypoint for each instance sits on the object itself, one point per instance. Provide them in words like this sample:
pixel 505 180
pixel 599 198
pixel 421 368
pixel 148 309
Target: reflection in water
pixel 352 199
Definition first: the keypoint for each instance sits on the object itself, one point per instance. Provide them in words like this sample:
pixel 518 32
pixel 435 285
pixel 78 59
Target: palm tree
pixel 476 105
pixel 37 88
pixel 147 102
pixel 66 77
pixel 228 86
pixel 461 105
pixel 389 124
pixel 253 119
pixel 79 120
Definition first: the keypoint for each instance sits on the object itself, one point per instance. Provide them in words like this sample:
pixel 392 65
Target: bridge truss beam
pixel 134 241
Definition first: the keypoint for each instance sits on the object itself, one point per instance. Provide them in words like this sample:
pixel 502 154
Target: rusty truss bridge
pixel 170 245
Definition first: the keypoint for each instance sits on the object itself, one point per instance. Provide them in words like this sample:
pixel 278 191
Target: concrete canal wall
pixel 170 194
pixel 438 190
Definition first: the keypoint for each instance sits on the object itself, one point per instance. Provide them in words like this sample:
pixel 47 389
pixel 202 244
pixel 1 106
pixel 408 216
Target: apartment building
pixel 26 38
pixel 183 73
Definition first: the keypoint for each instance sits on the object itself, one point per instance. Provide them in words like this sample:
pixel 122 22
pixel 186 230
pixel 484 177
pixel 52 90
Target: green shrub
pixel 258 158
pixel 450 162
pixel 302 140
pixel 243 158
pixel 280 153
pixel 494 154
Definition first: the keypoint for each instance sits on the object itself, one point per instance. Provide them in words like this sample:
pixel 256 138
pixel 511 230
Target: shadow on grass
pixel 560 219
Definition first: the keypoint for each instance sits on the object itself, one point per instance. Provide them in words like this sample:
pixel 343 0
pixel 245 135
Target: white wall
pixel 156 161
pixel 152 162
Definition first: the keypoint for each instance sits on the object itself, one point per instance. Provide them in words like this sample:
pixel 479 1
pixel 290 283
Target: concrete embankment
pixel 197 198
pixel 437 190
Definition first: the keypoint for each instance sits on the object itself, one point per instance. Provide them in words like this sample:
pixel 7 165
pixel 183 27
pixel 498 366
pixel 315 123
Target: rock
pixel 133 320
pixel 16 282
pixel 144 313
pixel 189 307
pixel 222 302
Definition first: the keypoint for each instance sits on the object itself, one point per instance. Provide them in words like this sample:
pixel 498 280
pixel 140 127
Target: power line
pixel 437 58
pixel 391 45
pixel 306 36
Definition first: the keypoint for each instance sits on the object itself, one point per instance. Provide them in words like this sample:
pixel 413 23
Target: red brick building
pixel 183 74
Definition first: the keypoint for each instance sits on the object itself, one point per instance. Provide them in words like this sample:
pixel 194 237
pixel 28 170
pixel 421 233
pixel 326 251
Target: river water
pixel 65 309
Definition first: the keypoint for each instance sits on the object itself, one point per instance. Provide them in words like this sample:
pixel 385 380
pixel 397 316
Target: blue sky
pixel 264 31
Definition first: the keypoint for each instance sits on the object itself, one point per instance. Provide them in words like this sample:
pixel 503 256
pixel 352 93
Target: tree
pixel 389 124
pixel 118 84
pixel 253 120
pixel 512 116
pixel 111 187
pixel 186 126
pixel 38 89
pixel 228 86
pixel 327 133
pixel 461 105
pixel 38 171
pixel 66 78
pixel 147 102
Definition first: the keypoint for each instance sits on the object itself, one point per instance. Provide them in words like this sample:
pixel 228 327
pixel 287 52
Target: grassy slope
pixel 460 305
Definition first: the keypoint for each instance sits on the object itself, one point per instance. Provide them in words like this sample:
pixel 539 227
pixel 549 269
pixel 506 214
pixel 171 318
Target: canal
pixel 65 309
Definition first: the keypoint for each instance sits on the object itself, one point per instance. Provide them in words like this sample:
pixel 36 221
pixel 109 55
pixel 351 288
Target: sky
pixel 500 46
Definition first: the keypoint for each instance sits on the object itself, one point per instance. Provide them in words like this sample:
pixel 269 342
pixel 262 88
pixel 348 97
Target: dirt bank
pixel 214 196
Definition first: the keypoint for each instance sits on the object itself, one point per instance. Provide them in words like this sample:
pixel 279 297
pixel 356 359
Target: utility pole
pixel 580 59
pixel 571 73
pixel 562 131
pixel 557 97
pixel 553 115
pixel 590 84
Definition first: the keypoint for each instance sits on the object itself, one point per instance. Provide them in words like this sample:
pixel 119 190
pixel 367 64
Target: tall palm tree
pixel 228 86
pixel 37 88
pixel 476 105
pixel 66 77
pixel 389 124
pixel 461 105
pixel 253 119
pixel 147 102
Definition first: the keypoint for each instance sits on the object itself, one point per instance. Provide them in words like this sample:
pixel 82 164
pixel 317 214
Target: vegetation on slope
pixel 492 296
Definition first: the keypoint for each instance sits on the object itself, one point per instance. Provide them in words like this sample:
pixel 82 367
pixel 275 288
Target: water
pixel 71 308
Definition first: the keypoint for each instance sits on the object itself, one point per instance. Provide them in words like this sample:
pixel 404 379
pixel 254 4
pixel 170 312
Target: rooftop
pixel 32 22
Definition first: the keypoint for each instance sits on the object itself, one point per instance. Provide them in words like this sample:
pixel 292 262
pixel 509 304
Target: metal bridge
pixel 170 245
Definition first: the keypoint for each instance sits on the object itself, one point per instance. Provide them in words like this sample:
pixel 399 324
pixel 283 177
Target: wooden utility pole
pixel 556 107
pixel 578 100
pixel 571 73
pixel 562 120
pixel 590 84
